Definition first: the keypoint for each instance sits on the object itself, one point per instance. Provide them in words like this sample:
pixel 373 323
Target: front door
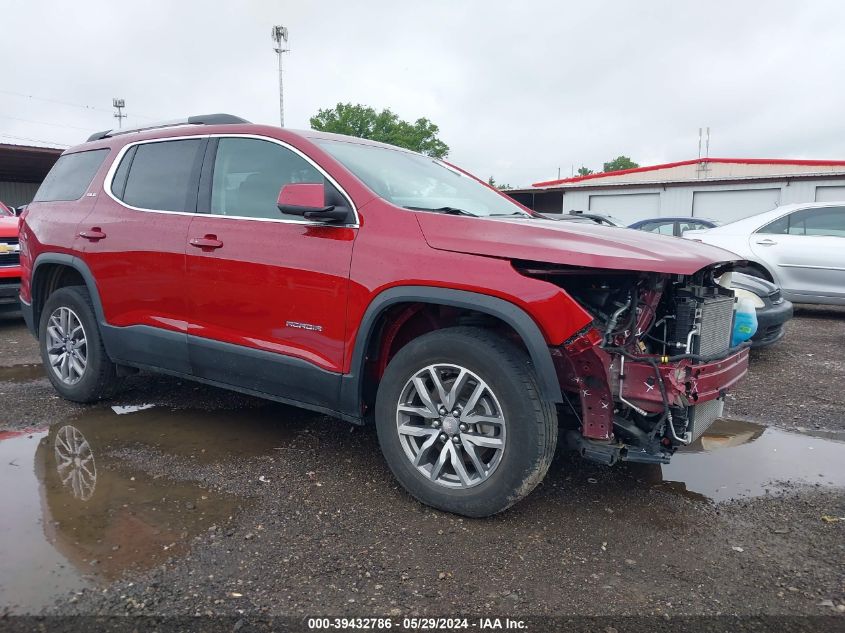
pixel 267 291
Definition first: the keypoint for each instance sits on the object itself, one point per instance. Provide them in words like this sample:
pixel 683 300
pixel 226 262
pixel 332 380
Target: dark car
pixel 773 311
pixel 673 226
pixel 599 218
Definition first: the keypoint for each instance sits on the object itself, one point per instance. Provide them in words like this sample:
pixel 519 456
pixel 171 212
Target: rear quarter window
pixel 71 176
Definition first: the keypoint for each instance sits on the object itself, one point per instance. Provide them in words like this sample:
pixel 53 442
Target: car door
pixel 805 251
pixel 267 292
pixel 135 242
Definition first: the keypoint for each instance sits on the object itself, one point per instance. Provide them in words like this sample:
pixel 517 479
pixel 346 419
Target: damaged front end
pixel 651 372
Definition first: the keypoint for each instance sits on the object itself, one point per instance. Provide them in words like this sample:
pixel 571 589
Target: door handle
pixel 94 234
pixel 207 243
pixel 766 242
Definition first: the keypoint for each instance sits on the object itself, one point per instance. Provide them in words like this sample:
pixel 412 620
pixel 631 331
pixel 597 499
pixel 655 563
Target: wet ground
pixel 175 498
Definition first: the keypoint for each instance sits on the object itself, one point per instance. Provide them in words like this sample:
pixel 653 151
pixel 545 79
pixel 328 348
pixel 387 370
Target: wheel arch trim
pixel 81 267
pixel 509 313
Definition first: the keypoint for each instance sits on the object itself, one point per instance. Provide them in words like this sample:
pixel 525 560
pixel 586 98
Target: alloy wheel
pixel 67 345
pixel 451 426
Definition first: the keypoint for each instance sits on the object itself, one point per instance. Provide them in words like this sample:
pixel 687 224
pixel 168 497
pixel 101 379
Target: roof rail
pixel 200 119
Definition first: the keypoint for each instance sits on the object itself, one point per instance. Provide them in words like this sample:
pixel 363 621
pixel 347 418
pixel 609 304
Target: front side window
pixel 414 181
pixel 249 173
pixel 71 176
pixel 160 176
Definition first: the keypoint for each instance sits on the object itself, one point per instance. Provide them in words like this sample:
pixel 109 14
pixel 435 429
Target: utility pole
pixel 119 104
pixel 280 39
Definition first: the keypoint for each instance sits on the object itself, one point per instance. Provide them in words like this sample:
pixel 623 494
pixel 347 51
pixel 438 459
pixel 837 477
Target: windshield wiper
pixel 448 210
pixel 520 214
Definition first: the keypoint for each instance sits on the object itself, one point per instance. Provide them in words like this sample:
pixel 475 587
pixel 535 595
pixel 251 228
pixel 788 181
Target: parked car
pixel 10 269
pixel 6 210
pixel 673 225
pixel 599 218
pixel 222 251
pixel 773 311
pixel 797 246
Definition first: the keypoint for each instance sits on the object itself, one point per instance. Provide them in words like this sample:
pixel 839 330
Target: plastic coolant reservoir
pixel 745 321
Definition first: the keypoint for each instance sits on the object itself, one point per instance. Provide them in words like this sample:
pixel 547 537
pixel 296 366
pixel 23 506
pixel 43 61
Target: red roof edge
pixel 737 161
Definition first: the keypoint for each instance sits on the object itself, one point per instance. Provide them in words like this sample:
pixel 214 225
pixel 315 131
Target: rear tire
pixel 481 441
pixel 71 347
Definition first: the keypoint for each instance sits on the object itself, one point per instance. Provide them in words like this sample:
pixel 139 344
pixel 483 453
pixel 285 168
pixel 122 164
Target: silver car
pixel 800 247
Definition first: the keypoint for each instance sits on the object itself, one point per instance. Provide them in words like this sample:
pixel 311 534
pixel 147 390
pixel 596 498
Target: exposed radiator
pixel 715 326
pixel 709 315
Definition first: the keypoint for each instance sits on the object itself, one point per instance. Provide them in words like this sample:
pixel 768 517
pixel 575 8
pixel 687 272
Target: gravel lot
pixel 215 503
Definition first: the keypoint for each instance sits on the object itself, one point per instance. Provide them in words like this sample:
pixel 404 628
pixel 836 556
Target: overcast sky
pixel 519 89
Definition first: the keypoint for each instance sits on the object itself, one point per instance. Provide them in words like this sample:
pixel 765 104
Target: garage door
pixel 628 207
pixel 727 206
pixel 830 194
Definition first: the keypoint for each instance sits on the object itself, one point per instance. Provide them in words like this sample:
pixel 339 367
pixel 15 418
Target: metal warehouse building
pixel 22 168
pixel 722 189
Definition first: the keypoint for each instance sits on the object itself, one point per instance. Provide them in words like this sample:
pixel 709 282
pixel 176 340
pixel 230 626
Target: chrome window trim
pixel 107 182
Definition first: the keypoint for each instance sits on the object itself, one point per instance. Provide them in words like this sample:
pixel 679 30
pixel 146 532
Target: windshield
pixel 419 182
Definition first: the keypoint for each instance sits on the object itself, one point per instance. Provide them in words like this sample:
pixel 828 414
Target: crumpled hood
pixel 569 243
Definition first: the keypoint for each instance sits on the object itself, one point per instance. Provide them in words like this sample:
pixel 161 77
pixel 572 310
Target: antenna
pixel 280 39
pixel 699 143
pixel 119 104
pixel 707 147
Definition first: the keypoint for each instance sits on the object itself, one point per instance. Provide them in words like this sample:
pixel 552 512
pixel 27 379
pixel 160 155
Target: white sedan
pixel 800 247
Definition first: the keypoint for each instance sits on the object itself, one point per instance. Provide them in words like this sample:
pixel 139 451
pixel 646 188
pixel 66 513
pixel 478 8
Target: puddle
pixel 736 459
pixel 76 514
pixel 22 373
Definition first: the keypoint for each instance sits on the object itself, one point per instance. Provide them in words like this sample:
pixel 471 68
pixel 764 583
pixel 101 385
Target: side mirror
pixel 309 201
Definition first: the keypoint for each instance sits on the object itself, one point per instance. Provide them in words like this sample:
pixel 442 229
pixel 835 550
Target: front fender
pixel 509 313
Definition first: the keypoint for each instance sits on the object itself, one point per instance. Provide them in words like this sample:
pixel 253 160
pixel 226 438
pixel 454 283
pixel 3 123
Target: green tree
pixel 385 126
pixel 619 163
pixel 492 182
pixel 583 171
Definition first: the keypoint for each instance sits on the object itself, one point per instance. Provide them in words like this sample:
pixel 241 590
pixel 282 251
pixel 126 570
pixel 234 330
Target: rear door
pixel 806 250
pixel 267 291
pixel 134 244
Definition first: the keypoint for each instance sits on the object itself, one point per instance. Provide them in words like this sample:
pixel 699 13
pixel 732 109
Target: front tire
pixel 461 422
pixel 71 347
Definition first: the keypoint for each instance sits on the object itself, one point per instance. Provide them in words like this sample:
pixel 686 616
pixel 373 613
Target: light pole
pixel 280 39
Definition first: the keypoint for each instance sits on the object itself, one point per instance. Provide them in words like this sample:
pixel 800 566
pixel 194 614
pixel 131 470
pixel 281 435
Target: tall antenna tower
pixel 280 41
pixel 703 165
pixel 119 104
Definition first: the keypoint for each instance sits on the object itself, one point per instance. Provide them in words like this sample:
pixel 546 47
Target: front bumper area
pixel 605 382
pixel 687 383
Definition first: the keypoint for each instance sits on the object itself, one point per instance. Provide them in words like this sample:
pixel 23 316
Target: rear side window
pixel 664 228
pixel 70 176
pixel 160 176
pixel 824 221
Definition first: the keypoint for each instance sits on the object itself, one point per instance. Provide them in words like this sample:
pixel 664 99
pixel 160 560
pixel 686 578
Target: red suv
pixel 371 283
